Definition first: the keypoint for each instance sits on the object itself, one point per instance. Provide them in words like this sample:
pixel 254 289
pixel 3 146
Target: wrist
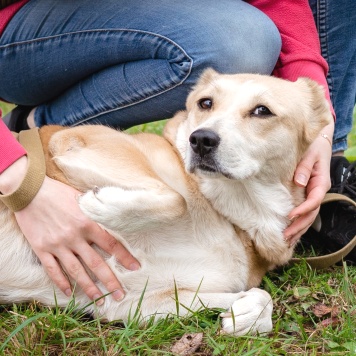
pixel 327 133
pixel 11 177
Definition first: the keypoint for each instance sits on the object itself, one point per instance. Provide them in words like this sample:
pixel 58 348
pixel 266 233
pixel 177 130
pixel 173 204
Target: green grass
pixel 350 153
pixel 298 292
pixel 299 295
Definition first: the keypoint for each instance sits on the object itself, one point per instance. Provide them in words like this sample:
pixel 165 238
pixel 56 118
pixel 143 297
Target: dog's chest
pixel 202 253
pixel 250 206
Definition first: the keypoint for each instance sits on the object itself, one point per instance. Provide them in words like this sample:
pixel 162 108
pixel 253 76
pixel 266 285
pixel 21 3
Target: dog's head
pixel 243 125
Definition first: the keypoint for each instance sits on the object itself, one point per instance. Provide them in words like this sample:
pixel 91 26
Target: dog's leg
pixel 246 312
pixel 131 210
pixel 251 312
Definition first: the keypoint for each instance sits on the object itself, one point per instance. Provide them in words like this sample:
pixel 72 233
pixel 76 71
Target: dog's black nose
pixel 204 141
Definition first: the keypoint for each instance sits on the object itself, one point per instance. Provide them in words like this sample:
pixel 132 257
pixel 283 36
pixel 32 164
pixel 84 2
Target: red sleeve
pixel 10 149
pixel 8 12
pixel 300 54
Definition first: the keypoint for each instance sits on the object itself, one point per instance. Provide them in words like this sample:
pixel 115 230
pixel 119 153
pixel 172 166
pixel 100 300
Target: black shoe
pixel 338 219
pixel 338 228
pixel 16 120
pixel 343 177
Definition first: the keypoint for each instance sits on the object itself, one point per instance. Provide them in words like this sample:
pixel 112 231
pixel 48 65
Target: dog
pixel 203 208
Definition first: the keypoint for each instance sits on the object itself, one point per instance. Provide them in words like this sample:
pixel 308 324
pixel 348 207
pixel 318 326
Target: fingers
pixel 99 267
pixel 312 203
pixel 96 264
pixel 101 270
pixel 73 258
pixel 76 271
pixel 303 216
pixel 303 172
pixel 313 173
pixel 299 226
pixel 55 272
pixel 68 245
pixel 113 247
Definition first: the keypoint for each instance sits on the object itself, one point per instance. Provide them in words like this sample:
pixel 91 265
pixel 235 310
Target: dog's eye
pixel 261 110
pixel 205 103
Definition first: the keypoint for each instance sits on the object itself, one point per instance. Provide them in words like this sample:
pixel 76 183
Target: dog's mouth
pixel 207 167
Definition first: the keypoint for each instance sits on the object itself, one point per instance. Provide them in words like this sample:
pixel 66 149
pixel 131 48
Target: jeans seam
pixel 149 96
pixel 67 34
pixel 321 23
pixel 131 104
pixel 41 39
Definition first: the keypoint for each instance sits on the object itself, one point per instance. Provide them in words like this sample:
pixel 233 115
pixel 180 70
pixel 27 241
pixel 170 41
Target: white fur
pixel 207 236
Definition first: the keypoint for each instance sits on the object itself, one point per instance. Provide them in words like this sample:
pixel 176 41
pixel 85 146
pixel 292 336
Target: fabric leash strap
pixel 320 262
pixel 36 171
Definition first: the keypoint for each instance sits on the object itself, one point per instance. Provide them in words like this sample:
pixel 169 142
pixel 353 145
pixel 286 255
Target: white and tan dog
pixel 202 209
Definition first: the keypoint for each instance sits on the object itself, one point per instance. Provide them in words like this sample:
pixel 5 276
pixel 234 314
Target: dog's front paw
pixel 101 205
pixel 250 313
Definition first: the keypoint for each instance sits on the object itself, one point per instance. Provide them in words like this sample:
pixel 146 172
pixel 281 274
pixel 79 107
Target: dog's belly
pixel 211 260
pixel 169 274
pixel 178 256
pixel 206 273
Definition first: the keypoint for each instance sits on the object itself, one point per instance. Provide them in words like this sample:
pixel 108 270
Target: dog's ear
pixel 319 112
pixel 207 76
pixel 171 127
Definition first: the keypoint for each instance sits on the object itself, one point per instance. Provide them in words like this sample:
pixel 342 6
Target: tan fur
pixel 258 266
pixel 205 222
pixel 52 170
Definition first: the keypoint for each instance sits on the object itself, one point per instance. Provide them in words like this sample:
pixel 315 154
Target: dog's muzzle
pixel 204 144
pixel 204 141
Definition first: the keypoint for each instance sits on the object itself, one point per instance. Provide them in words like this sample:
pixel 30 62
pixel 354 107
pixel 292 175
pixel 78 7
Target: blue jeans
pixel 126 62
pixel 336 24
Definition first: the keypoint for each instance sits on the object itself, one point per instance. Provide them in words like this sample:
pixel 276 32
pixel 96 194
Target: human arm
pixel 8 9
pixel 59 232
pixel 300 53
pixel 10 149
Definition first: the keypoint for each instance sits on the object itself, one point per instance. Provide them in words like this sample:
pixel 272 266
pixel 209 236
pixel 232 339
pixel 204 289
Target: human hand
pixel 60 234
pixel 313 172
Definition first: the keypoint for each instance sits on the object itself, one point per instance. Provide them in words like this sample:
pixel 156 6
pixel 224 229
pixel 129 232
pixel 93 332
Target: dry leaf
pixel 321 309
pixel 335 311
pixel 188 344
pixel 330 321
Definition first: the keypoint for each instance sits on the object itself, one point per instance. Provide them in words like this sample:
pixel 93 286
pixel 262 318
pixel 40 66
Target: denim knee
pixel 249 43
pixel 88 69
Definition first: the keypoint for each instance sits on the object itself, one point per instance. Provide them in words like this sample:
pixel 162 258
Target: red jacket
pixel 300 55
